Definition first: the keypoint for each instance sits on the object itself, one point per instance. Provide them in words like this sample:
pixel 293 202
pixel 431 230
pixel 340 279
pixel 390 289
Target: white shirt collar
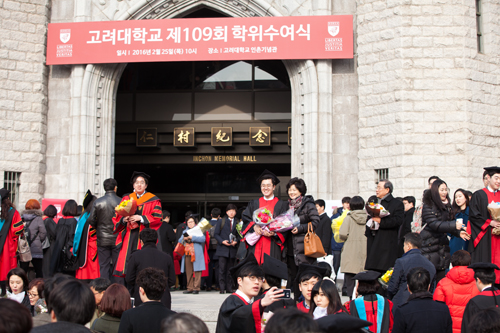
pixel 322 213
pixel 140 195
pixel 489 286
pixel 319 312
pixel 245 297
pixel 489 189
pixel 269 199
pixel 18 298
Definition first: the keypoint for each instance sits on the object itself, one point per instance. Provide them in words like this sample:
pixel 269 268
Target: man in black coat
pixel 421 313
pixel 166 235
pixel 382 243
pixel 409 205
pixel 101 218
pixel 147 317
pixel 149 256
pixel 324 230
pixel 227 239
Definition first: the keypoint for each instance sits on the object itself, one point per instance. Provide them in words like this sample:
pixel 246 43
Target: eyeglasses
pixel 32 295
pixel 140 183
pixel 266 186
pixel 255 278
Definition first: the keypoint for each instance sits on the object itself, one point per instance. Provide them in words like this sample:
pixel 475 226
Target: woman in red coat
pixel 457 288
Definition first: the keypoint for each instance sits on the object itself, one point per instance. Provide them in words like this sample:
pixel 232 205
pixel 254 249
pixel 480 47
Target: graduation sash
pixel 360 307
pixel 79 231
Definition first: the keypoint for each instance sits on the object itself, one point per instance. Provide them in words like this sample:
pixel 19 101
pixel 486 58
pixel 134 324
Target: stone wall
pixel 23 93
pixel 418 94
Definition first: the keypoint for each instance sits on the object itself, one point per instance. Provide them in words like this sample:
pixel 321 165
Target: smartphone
pixel 132 301
pixel 287 293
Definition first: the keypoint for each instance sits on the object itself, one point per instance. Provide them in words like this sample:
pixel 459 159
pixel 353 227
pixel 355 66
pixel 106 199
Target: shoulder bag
pixel 312 244
pixel 23 249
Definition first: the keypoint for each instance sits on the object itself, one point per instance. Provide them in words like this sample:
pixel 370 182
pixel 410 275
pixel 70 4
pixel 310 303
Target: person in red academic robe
pixel 11 227
pixel 85 243
pixel 148 215
pixel 270 243
pixel 485 246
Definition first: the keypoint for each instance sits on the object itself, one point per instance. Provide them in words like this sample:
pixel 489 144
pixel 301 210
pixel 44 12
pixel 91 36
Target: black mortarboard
pixel 266 174
pixel 139 174
pixel 367 276
pixel 494 169
pixel 274 267
pixel 87 199
pixel 4 193
pixel 305 269
pixel 248 261
pixel 342 323
pixel 79 210
pixel 486 266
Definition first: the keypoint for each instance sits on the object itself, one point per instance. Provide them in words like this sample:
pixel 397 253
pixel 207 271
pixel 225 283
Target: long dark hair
pixel 454 207
pixel 330 290
pixel 432 198
pixel 6 204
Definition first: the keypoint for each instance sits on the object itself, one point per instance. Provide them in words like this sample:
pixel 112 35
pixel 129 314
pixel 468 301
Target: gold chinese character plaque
pixel 222 136
pixel 260 136
pixel 184 137
pixel 147 137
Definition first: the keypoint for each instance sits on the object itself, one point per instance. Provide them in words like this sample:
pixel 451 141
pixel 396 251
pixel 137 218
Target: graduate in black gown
pixel 489 296
pixel 242 311
pixel 484 246
pixel 275 271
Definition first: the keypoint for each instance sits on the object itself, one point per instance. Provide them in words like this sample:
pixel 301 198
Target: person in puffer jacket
pixel 457 288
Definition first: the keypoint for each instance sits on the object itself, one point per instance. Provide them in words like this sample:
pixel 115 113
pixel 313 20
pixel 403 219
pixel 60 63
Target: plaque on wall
pixel 289 136
pixel 147 137
pixel 222 136
pixel 184 137
pixel 260 136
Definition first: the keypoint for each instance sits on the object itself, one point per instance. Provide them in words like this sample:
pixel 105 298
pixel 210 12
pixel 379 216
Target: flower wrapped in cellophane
pixel 375 210
pixel 200 229
pixel 283 222
pixel 384 279
pixel 126 207
pixel 262 216
pixel 494 210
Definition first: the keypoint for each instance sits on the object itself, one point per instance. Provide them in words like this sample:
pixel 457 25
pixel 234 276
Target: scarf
pixel 189 251
pixel 319 312
pixel 295 203
pixel 18 298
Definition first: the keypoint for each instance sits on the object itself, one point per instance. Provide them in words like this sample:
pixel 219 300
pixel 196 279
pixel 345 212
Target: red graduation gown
pixel 13 228
pixel 149 207
pixel 90 270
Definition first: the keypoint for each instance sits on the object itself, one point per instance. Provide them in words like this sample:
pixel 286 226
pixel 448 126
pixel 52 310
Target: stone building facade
pixel 418 98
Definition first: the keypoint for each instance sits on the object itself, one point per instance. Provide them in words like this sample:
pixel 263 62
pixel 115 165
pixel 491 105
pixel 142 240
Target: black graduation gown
pixel 281 304
pixel 167 238
pixel 65 233
pixel 484 300
pixel 236 315
pixel 478 214
pixel 50 226
pixel 247 218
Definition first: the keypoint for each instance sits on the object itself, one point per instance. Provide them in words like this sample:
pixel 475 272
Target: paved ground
pixel 205 305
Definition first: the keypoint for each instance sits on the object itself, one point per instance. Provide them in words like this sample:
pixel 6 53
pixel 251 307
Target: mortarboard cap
pixel 266 174
pixel 4 193
pixel 494 169
pixel 248 261
pixel 305 269
pixel 139 174
pixel 87 199
pixel 367 276
pixel 342 323
pixel 275 267
pixel 487 266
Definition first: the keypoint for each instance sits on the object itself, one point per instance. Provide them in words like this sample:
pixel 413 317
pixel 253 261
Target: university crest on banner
pixel 333 28
pixel 65 35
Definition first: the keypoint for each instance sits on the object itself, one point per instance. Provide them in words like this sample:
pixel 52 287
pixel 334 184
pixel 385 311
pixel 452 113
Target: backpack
pixel 213 240
pixel 416 224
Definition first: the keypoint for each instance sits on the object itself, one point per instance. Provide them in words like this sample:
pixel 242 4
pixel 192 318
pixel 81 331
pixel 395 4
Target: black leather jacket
pixel 101 218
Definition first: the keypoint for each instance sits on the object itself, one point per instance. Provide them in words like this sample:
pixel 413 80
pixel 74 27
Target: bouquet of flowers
pixel 200 229
pixel 283 222
pixel 384 279
pixel 126 207
pixel 261 217
pixel 494 210
pixel 375 210
pixel 239 227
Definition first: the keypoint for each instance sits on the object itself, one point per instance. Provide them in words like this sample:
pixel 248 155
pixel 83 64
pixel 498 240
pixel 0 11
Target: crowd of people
pixel 99 269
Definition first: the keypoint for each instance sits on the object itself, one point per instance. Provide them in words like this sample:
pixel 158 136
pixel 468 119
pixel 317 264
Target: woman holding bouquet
pixel 193 260
pixel 305 209
pixel 270 243
pixel 147 215
pixel 438 220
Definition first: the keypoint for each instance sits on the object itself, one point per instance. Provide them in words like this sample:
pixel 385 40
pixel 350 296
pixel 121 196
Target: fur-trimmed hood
pixel 31 214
